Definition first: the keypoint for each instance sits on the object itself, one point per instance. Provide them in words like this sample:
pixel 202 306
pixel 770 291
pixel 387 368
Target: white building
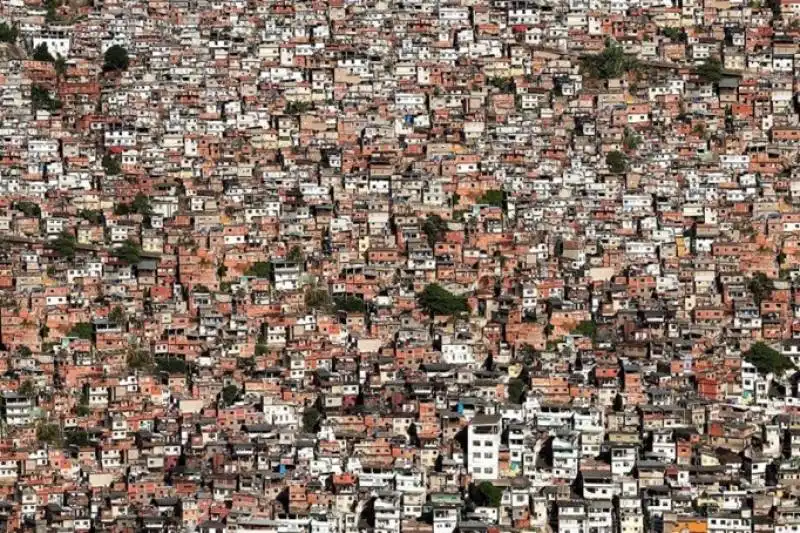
pixel 483 447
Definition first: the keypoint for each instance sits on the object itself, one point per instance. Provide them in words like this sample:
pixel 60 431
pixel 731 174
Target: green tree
pixel 52 13
pixel 29 209
pixel 229 395
pixel 41 99
pixel 111 165
pixel 318 299
pixel 437 300
pixel 493 198
pixel 65 245
pixel 587 328
pixel 487 495
pixel 60 66
pixel 516 391
pixel 77 437
pixel 93 216
pixel 434 228
pixel 171 365
pixel 27 388
pixel 140 360
pixel 674 34
pixel 141 205
pixel 116 58
pixel 311 420
pixel 81 330
pixel 631 140
pixel 297 108
pixel 616 161
pixel 48 433
pixel 129 252
pixel 260 269
pixel 761 287
pixel 610 63
pixel 349 304
pixel 295 255
pixel 710 70
pixel 8 33
pixel 767 360
pixel 504 85
pixel 41 53
pixel 117 316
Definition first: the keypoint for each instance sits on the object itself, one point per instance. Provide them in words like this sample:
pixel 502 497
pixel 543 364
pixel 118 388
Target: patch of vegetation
pixel 29 209
pixel 41 99
pixel 48 434
pixel 434 228
pixel 229 395
pixel 129 252
pixel 311 420
pixel 61 66
pixel 77 437
pixel 140 360
pixel 437 300
pixel 318 299
pixel 8 33
pixel 52 13
pixel 41 53
pixel 117 316
pixel 761 287
pixel 516 391
pixel 140 205
pixel 710 70
pixel 587 328
pixel 112 165
pixel 295 255
pixel 171 365
pixel 631 140
pixel 674 34
pixel 617 162
pixel 92 215
pixel 116 59
pixel 28 389
pixel 350 304
pixel 297 108
pixel 493 198
pixel 65 245
pixel 81 330
pixel 610 63
pixel 260 269
pixel 504 84
pixel 486 495
pixel 767 360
